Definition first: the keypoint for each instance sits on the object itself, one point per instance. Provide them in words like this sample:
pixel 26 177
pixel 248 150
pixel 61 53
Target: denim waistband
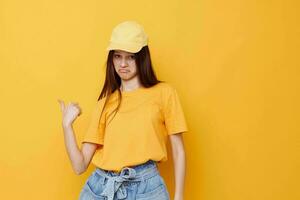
pixel 114 185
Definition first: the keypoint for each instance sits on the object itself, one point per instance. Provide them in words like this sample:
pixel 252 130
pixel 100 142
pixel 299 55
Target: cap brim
pixel 124 47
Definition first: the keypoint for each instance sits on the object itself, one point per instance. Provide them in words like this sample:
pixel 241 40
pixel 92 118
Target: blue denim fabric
pixel 140 182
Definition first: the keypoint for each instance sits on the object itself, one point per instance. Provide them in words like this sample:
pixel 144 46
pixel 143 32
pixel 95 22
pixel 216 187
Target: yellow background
pixel 234 63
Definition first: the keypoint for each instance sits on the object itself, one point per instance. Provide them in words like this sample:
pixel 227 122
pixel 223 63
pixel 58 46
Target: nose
pixel 123 62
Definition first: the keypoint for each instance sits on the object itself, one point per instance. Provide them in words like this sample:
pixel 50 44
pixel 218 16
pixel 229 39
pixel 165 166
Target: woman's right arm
pixel 80 159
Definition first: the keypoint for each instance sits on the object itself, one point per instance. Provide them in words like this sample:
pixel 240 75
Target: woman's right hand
pixel 69 112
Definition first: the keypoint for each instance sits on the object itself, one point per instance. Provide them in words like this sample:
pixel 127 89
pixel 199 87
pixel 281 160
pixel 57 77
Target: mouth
pixel 123 71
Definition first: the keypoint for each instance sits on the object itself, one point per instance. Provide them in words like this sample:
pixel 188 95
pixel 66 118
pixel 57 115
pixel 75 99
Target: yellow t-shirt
pixel 139 130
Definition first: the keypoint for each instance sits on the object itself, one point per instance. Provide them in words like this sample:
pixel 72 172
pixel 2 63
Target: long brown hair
pixel 113 81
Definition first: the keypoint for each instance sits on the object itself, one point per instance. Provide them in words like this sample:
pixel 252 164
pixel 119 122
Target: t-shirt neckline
pixel 133 92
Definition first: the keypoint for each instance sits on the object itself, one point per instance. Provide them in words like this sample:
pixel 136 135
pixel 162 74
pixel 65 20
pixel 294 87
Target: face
pixel 125 64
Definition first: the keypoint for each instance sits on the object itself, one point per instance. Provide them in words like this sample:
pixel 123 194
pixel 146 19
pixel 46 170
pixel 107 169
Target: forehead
pixel 123 52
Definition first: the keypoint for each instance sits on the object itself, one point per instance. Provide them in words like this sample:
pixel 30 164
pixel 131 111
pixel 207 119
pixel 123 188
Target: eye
pixel 116 56
pixel 132 57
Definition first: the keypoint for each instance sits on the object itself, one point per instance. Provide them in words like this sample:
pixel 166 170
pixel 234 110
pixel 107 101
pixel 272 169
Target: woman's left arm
pixel 178 153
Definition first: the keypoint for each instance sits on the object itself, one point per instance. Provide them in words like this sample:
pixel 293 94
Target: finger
pixel 62 105
pixel 79 109
pixel 76 105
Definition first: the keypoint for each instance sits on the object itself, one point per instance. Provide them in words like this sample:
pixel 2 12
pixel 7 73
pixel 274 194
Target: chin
pixel 124 77
pixel 127 76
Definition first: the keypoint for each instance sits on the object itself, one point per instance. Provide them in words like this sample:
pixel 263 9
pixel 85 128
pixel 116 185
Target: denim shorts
pixel 139 182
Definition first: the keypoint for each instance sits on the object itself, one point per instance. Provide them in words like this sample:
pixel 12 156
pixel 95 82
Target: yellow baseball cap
pixel 128 36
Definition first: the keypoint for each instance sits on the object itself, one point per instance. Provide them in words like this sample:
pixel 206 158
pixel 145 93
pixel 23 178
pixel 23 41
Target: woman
pixel 132 119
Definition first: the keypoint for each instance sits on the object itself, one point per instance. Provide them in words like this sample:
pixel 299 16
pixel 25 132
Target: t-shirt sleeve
pixel 96 127
pixel 174 118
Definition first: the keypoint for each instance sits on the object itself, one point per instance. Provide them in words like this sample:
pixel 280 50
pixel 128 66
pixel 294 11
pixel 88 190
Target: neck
pixel 128 85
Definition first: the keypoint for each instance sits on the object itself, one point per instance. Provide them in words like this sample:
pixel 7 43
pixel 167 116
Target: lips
pixel 123 71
